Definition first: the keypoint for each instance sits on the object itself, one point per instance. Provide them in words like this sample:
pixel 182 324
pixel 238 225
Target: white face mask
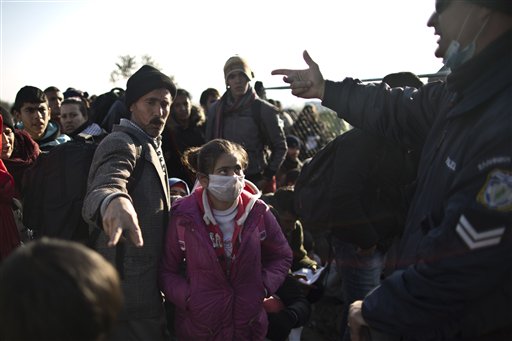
pixel 454 56
pixel 225 187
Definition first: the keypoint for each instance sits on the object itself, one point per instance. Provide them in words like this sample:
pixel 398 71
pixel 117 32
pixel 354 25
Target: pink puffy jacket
pixel 209 304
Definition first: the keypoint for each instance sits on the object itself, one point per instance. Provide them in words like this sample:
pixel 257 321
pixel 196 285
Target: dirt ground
pixel 325 321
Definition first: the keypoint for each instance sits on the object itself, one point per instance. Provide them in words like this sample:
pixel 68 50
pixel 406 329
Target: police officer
pixel 453 278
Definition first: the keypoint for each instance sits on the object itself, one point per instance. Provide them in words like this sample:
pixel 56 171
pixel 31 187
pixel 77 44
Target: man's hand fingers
pixel 354 334
pixel 284 72
pixel 308 59
pixel 136 236
pixel 114 235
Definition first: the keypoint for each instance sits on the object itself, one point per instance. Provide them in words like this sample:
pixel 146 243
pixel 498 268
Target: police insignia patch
pixel 496 193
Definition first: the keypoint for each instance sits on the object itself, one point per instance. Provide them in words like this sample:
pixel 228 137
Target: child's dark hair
pixel 207 93
pixel 82 105
pixel 28 94
pixel 202 159
pixel 283 200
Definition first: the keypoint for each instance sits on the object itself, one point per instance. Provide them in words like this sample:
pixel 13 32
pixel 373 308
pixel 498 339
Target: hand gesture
pixel 120 215
pixel 356 321
pixel 307 83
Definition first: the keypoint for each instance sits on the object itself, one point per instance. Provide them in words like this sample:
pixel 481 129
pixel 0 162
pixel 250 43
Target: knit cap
pixel 145 80
pixel 237 64
pixel 504 6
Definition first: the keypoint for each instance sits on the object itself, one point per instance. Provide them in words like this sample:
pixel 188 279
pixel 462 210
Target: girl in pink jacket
pixel 224 251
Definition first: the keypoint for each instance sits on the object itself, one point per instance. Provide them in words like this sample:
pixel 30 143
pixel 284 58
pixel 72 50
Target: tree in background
pixel 128 64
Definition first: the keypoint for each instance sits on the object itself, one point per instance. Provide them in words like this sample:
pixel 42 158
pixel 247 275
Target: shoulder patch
pixel 496 193
pixel 475 239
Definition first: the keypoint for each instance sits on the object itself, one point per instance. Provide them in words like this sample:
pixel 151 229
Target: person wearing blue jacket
pixel 453 271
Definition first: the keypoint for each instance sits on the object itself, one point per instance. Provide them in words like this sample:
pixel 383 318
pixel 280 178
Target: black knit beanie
pixel 145 80
pixel 504 6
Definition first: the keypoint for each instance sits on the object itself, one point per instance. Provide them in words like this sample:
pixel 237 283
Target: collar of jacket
pixel 247 199
pixel 483 76
pixel 155 141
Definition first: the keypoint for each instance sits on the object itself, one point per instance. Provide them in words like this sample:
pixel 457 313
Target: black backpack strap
pixel 256 114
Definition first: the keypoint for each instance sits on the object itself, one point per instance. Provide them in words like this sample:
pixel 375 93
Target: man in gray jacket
pixel 128 198
pixel 242 117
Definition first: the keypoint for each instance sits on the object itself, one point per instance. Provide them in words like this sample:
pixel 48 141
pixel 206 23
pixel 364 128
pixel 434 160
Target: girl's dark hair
pixel 82 105
pixel 207 93
pixel 202 159
pixel 284 200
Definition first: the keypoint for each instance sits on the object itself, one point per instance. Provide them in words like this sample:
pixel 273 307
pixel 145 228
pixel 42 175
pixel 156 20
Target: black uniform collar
pixel 484 75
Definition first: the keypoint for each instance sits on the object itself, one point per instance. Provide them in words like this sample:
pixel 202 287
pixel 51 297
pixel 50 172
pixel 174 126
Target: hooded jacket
pixel 51 137
pixel 211 305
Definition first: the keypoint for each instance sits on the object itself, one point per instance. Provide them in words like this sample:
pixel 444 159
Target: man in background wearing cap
pixel 454 279
pixel 128 200
pixel 242 117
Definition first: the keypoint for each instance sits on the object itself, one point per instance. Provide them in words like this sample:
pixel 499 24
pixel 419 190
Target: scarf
pixel 9 236
pixel 25 153
pixel 215 233
pixel 228 105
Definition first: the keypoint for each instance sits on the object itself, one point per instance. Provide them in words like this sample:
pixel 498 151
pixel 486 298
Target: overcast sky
pixel 77 43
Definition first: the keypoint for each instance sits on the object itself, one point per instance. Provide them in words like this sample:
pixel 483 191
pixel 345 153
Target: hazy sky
pixel 77 43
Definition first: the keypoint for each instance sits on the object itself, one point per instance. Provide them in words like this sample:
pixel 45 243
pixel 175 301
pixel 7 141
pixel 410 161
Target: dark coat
pixel 242 127
pixel 176 139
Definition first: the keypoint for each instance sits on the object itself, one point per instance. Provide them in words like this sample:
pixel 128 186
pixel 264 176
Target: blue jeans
pixel 359 275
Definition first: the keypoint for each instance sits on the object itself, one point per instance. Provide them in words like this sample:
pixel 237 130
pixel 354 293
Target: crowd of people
pixel 193 228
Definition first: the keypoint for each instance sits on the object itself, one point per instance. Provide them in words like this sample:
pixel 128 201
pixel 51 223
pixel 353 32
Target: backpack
pixel 313 183
pixel 54 190
pixel 256 115
pixel 103 103
pixel 55 187
pixel 311 200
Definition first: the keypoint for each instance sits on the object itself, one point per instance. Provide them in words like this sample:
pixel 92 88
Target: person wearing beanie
pixel 18 151
pixel 242 117
pixel 452 277
pixel 32 113
pixel 128 202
